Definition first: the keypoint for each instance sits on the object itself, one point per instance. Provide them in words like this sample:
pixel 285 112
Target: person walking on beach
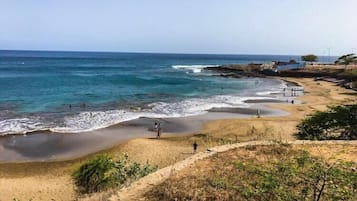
pixel 158 129
pixel 156 126
pixel 195 145
pixel 258 113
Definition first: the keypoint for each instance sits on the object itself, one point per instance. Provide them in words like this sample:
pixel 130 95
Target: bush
pixel 309 58
pixel 103 173
pixel 339 122
pixel 95 175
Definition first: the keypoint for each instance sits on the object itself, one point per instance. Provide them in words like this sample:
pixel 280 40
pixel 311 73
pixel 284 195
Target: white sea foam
pixel 21 126
pixel 193 68
pixel 265 93
pixel 85 74
pixel 88 121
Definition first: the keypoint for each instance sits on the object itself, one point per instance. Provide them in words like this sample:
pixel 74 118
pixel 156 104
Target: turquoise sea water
pixel 80 91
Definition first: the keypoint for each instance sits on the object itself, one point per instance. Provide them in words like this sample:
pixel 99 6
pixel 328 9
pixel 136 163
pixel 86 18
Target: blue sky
pixel 181 26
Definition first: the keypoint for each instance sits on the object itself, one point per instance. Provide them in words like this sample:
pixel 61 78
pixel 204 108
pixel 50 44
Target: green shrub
pixel 103 172
pixel 339 122
pixel 95 175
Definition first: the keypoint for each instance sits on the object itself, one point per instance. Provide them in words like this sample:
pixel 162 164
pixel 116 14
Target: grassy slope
pixel 219 178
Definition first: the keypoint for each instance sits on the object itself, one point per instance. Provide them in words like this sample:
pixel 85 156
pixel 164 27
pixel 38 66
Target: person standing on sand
pixel 195 145
pixel 158 128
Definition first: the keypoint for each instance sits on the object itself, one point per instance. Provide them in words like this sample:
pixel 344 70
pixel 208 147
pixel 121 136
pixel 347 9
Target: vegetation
pixel 346 59
pixel 309 58
pixel 350 72
pixel 268 173
pixel 339 122
pixel 299 178
pixel 103 173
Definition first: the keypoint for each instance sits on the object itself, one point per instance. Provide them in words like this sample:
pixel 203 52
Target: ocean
pixel 70 92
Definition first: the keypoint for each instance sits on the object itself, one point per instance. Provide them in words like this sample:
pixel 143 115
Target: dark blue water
pixel 77 91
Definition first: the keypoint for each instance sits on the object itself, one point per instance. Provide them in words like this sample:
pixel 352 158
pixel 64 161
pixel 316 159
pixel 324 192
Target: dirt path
pixel 136 190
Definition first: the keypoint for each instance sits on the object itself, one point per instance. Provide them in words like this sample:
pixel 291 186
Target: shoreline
pixel 55 147
pixel 48 146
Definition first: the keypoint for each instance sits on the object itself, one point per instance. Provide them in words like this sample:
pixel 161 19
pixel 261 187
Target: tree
pixel 346 59
pixel 339 122
pixel 309 58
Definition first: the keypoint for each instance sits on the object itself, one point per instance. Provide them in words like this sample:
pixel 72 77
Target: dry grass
pixel 331 152
pixel 208 178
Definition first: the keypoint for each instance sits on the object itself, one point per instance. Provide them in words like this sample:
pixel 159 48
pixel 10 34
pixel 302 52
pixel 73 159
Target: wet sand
pixel 47 146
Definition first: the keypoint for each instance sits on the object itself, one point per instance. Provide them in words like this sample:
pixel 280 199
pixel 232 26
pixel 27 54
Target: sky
pixel 322 27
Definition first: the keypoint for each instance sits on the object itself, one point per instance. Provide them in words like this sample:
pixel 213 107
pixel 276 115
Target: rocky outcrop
pixel 237 70
pixel 257 70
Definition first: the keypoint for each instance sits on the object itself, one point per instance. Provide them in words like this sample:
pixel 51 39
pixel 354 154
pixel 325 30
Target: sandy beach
pixel 47 146
pixel 52 180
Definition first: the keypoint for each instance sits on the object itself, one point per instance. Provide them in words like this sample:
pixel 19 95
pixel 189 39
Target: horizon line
pixel 148 52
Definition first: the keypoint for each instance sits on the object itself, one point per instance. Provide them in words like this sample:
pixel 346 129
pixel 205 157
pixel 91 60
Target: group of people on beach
pixel 293 91
pixel 158 130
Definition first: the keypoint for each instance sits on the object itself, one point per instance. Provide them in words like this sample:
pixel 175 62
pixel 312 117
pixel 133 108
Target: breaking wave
pixel 192 68
pixel 93 120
